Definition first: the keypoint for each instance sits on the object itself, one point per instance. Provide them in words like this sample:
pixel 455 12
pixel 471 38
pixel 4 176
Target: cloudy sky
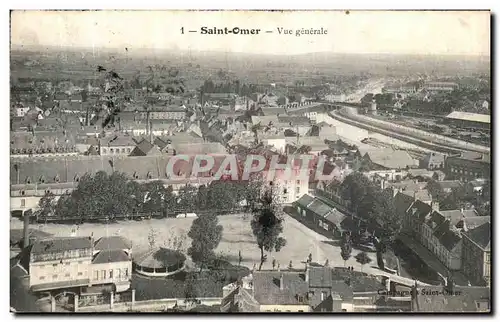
pixel 399 32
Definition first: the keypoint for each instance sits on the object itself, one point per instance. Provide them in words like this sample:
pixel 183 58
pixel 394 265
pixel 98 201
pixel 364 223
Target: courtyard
pixel 237 239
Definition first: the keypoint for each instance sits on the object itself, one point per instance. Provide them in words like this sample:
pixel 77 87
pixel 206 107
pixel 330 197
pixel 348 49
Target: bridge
pixel 395 278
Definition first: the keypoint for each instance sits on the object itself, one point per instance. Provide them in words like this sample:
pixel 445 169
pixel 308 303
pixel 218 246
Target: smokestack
pixel 148 130
pixel 151 132
pixel 26 229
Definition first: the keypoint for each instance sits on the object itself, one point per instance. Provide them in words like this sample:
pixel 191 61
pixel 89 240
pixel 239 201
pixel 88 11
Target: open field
pixel 237 236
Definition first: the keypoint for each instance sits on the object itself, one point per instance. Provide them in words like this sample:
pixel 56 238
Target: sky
pixel 396 32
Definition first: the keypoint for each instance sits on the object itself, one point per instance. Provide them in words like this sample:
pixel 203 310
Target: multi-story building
pixel 116 145
pixel 440 86
pixel 315 289
pixel 468 166
pixel 76 263
pixel 57 263
pixel 476 263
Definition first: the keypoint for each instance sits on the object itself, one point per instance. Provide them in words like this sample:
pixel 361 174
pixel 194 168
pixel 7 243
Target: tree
pixel 155 196
pixel 274 263
pixel 309 258
pixel 113 195
pixel 363 258
pixel 267 225
pixel 346 248
pixel 327 263
pixel 47 204
pixel 206 234
pixel 354 188
pixel 290 265
pixel 186 199
pixel 152 238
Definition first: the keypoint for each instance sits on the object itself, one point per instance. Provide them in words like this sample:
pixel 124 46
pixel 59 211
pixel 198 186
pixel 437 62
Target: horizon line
pixel 173 50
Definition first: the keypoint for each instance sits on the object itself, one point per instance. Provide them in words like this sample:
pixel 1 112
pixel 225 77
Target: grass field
pixel 237 236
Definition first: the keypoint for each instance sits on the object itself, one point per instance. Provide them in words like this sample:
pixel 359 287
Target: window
pixel 297 190
pixel 118 273
pixel 67 264
pixel 128 150
pixel 298 181
pixel 123 150
pixel 96 275
pixel 110 273
pixel 103 150
pixel 42 278
pixel 103 274
pixel 67 275
pixel 80 273
pixel 23 201
pixel 54 265
pixel 126 272
pixel 323 296
pixel 487 257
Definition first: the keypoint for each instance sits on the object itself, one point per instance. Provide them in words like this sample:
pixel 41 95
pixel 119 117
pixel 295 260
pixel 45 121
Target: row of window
pixel 116 150
pixel 72 253
pixel 470 173
pixel 56 277
pixel 110 274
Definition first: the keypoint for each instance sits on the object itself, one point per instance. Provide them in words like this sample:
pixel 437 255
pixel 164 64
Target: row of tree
pixel 111 196
pixel 371 203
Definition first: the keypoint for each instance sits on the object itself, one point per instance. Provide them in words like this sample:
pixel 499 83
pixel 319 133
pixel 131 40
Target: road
pixel 327 249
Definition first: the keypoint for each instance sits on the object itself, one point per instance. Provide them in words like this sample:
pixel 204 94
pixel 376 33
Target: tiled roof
pixel 449 184
pixel 473 117
pixel 420 210
pixel 112 243
pixel 481 235
pixel 402 202
pixel 335 217
pixel 56 245
pixel 435 220
pixel 67 169
pixel 267 287
pixel 456 215
pixel 159 258
pixel 117 140
pixel 110 256
pixel 294 120
pixel 320 208
pixel 199 148
pixel 422 195
pixel 450 239
pixel 305 200
pixel 320 276
pixel 473 222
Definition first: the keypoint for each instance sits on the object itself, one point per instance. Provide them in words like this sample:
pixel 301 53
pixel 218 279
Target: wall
pixel 69 270
pixel 285 308
pixel 119 269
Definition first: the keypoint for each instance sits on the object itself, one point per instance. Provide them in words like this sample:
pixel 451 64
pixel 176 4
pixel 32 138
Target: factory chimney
pixel 26 229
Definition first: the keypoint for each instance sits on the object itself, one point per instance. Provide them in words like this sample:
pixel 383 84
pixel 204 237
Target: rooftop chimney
pixel 281 282
pixel 306 273
pixel 26 229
